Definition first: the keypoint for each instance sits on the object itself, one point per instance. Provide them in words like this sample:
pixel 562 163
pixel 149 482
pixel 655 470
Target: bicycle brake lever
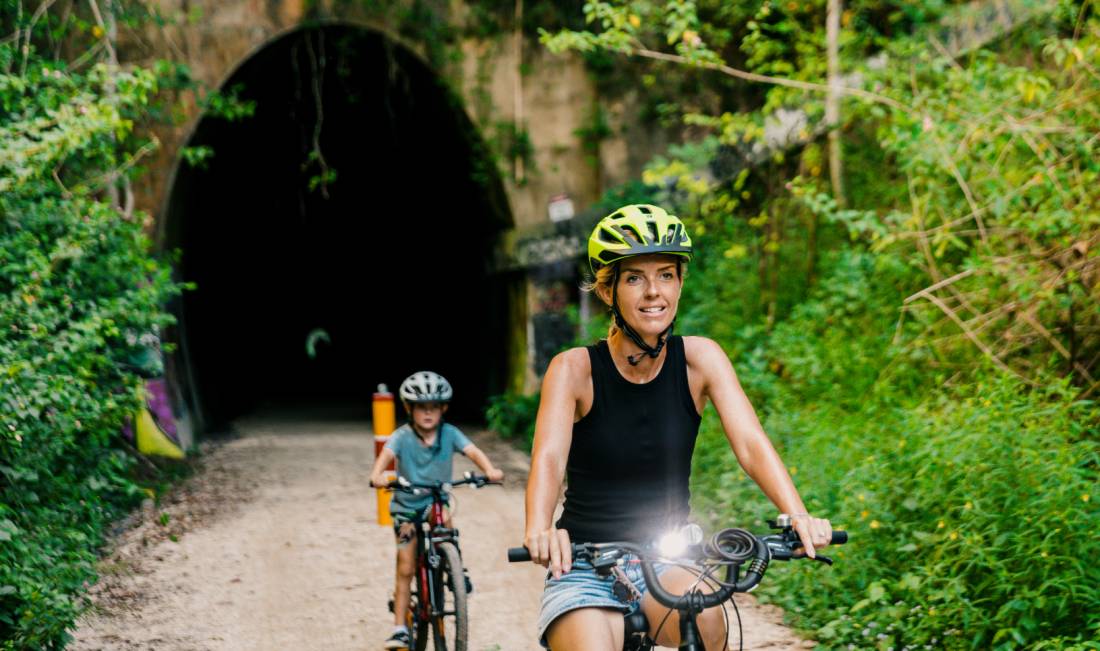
pixel 824 559
pixel 603 563
pixel 780 551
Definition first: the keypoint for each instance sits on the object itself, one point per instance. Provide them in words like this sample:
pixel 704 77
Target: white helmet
pixel 425 386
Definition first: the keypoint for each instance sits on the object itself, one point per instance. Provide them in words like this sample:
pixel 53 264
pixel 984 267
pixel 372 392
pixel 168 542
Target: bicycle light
pixel 675 542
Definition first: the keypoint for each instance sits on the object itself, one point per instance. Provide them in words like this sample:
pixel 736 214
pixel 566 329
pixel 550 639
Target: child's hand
pixel 495 474
pixel 376 481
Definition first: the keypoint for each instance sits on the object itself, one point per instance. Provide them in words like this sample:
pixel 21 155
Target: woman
pixel 621 418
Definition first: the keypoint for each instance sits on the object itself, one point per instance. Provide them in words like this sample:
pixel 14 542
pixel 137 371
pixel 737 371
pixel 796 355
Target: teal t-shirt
pixel 423 464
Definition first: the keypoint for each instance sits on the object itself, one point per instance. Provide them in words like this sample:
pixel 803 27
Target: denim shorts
pixel 581 587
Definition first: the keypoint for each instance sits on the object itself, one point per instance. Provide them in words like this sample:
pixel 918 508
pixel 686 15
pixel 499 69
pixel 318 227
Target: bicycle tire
pixel 451 564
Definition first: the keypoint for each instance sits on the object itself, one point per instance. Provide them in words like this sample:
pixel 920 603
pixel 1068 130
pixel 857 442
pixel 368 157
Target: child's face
pixel 427 415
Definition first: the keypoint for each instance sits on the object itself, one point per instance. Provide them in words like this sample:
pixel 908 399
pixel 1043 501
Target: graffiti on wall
pixel 154 430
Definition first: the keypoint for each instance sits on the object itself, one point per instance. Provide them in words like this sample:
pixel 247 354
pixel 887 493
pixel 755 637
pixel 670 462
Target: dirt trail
pixel 274 545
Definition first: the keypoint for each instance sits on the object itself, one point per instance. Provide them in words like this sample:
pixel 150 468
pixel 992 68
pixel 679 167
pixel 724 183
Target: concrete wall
pixel 214 37
pixel 552 99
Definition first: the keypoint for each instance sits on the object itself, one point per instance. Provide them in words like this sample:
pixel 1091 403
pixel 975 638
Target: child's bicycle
pixel 438 596
pixel 729 549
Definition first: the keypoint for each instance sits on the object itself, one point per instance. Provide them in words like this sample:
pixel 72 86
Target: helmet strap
pixel 416 430
pixel 647 350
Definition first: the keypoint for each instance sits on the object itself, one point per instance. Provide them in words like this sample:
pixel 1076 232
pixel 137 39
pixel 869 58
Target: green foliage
pixel 511 143
pixel 969 515
pixel 513 416
pixel 922 352
pixel 78 288
pixel 592 132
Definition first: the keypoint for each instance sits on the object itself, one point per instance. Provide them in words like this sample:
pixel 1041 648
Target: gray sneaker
pixel 399 640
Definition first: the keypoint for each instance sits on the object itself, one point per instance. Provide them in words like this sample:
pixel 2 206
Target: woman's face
pixel 649 291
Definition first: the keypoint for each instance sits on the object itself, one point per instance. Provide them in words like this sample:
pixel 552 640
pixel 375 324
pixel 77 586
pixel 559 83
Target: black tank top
pixel 630 458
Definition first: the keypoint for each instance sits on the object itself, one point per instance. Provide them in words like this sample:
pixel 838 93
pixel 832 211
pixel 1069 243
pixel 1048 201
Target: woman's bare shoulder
pixel 702 349
pixel 569 372
pixel 572 363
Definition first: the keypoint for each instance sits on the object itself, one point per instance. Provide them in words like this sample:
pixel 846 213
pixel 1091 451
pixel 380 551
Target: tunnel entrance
pixel 357 204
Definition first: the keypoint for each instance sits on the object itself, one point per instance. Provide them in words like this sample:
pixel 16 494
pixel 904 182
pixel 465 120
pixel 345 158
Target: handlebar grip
pixel 518 554
pixel 839 537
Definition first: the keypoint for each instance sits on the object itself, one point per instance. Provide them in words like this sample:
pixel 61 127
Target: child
pixel 424 449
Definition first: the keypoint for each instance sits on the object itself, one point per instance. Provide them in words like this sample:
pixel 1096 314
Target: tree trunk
pixel 832 101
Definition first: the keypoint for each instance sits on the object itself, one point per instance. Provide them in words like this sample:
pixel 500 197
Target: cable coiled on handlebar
pixel 733 545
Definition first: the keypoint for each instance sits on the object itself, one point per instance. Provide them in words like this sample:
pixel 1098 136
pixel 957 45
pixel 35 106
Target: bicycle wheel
pixel 450 627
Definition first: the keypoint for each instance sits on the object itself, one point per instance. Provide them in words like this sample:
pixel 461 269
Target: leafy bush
pixel 922 347
pixel 78 288
pixel 969 504
pixel 512 416
pixel 971 517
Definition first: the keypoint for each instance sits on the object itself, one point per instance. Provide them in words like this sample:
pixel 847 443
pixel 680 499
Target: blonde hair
pixel 604 281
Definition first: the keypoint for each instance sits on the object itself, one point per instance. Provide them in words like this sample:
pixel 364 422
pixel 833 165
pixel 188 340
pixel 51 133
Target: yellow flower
pixel 635 21
pixel 97 31
pixel 968 506
pixel 940 525
pixel 1085 497
pixel 860 497
pixel 794 471
pixel 953 536
pixel 864 514
pixel 1044 554
pixel 874 524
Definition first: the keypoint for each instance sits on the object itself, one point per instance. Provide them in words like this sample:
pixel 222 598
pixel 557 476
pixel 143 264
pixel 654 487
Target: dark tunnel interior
pixel 389 257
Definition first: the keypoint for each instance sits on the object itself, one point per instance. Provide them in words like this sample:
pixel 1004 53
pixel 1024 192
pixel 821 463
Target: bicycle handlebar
pixel 406 486
pixel 731 547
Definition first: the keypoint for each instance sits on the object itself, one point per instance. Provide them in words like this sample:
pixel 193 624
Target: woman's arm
pixel 553 436
pixel 749 443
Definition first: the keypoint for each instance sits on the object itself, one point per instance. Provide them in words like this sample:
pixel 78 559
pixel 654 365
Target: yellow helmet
pixel 637 229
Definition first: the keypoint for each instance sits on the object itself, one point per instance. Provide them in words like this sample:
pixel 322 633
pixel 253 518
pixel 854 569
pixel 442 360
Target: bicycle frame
pixel 438 568
pixel 427 556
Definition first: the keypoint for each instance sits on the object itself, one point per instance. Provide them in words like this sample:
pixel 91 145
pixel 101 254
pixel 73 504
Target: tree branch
pixel 766 79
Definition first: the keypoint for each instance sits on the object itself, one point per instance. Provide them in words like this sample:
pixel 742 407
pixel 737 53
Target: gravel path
pixel 273 544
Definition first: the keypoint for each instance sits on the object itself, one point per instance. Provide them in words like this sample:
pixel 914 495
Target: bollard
pixel 383 496
pixel 384 421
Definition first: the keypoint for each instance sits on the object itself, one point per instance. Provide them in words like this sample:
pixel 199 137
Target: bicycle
pixel 729 548
pixel 438 596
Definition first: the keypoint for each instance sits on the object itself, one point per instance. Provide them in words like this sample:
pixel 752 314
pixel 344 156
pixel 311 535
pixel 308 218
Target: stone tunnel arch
pixel 390 258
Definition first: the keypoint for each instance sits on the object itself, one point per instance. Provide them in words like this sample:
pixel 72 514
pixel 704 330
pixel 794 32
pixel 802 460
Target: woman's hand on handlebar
pixel 815 533
pixel 551 548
